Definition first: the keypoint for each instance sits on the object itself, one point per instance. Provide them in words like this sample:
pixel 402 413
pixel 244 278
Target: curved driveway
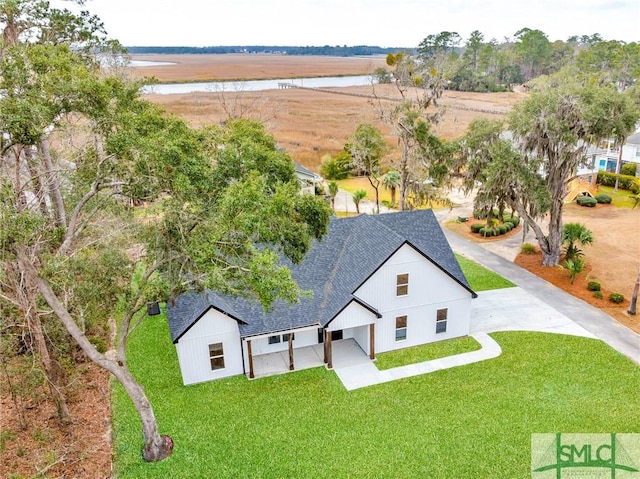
pixel 592 319
pixel 575 316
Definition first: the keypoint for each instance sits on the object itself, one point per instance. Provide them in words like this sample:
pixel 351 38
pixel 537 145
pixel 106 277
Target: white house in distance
pixel 606 155
pixel 308 179
pixel 386 282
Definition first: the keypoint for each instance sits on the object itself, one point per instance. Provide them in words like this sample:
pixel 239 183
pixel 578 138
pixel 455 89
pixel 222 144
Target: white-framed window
pixel 402 284
pixel 281 338
pixel 441 320
pixel 216 356
pixel 401 328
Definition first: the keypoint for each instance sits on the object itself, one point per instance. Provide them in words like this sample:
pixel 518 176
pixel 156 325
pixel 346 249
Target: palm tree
pixel 574 266
pixel 573 233
pixel 333 191
pixel 391 181
pixel 358 196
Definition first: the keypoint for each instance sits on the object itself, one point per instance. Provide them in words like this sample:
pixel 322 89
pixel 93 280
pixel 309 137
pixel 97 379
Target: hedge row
pixel 625 182
pixel 509 223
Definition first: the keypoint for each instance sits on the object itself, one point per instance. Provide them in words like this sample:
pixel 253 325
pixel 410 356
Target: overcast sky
pixel 385 23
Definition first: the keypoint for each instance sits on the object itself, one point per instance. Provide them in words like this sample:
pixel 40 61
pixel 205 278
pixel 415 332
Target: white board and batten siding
pixel 352 316
pixel 193 348
pixel 429 289
pixel 301 338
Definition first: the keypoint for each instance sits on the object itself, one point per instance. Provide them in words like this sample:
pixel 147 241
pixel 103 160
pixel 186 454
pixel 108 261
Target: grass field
pixel 362 183
pixel 468 422
pixel 479 277
pixel 426 352
pixel 620 198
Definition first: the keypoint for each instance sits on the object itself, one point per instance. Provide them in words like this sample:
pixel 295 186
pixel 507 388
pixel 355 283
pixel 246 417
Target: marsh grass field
pixel 308 124
pixel 311 124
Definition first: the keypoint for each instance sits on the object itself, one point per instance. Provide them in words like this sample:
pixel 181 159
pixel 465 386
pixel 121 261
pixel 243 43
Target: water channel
pixel 257 85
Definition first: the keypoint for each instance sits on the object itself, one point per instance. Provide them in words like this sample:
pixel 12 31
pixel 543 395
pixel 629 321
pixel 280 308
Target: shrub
pixel 528 248
pixel 515 221
pixel 337 168
pixel 509 225
pixel 502 229
pixel 597 294
pixel 586 201
pixel 603 198
pixel 486 232
pixel 481 214
pixel 574 266
pixel 625 182
pixel 475 227
pixel 593 286
pixel 629 169
pixel 616 298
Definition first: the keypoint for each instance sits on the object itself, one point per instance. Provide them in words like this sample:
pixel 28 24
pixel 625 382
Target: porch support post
pixel 251 373
pixel 372 341
pixel 329 352
pixel 324 345
pixel 290 351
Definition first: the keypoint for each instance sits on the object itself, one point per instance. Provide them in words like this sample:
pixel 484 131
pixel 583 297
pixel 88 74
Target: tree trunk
pixel 404 175
pixel 156 447
pixel 634 296
pixel 375 184
pixel 53 184
pixel 54 375
pixel 35 175
pixel 551 253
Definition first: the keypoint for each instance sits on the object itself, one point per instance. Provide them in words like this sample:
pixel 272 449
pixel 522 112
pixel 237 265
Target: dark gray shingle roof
pixel 332 270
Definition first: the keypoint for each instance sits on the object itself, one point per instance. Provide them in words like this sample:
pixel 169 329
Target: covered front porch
pixel 345 352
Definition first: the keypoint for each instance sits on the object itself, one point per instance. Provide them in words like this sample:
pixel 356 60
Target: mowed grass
pixel 362 183
pixel 481 278
pixel 620 198
pixel 426 352
pixel 466 422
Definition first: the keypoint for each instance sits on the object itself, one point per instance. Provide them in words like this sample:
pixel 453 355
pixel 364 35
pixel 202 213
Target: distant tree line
pixel 478 64
pixel 341 51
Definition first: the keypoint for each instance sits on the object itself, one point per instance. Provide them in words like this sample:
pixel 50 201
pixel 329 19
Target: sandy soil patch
pixel 612 260
pixel 45 449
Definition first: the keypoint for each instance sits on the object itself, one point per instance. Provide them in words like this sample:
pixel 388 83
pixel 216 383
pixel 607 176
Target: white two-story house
pixel 386 282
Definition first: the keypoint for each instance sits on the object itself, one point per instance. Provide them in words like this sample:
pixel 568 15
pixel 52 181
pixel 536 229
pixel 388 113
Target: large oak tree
pixel 78 149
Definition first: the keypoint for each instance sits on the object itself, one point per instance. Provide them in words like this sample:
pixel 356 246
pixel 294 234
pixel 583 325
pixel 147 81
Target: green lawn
pixel 473 421
pixel 479 277
pixel 426 352
pixel 620 198
pixel 362 183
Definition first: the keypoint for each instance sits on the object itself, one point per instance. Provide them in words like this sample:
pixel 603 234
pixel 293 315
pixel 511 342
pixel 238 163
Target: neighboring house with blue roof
pixel 387 281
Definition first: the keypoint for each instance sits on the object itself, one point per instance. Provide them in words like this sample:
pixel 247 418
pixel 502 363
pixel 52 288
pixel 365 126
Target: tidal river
pixel 257 85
